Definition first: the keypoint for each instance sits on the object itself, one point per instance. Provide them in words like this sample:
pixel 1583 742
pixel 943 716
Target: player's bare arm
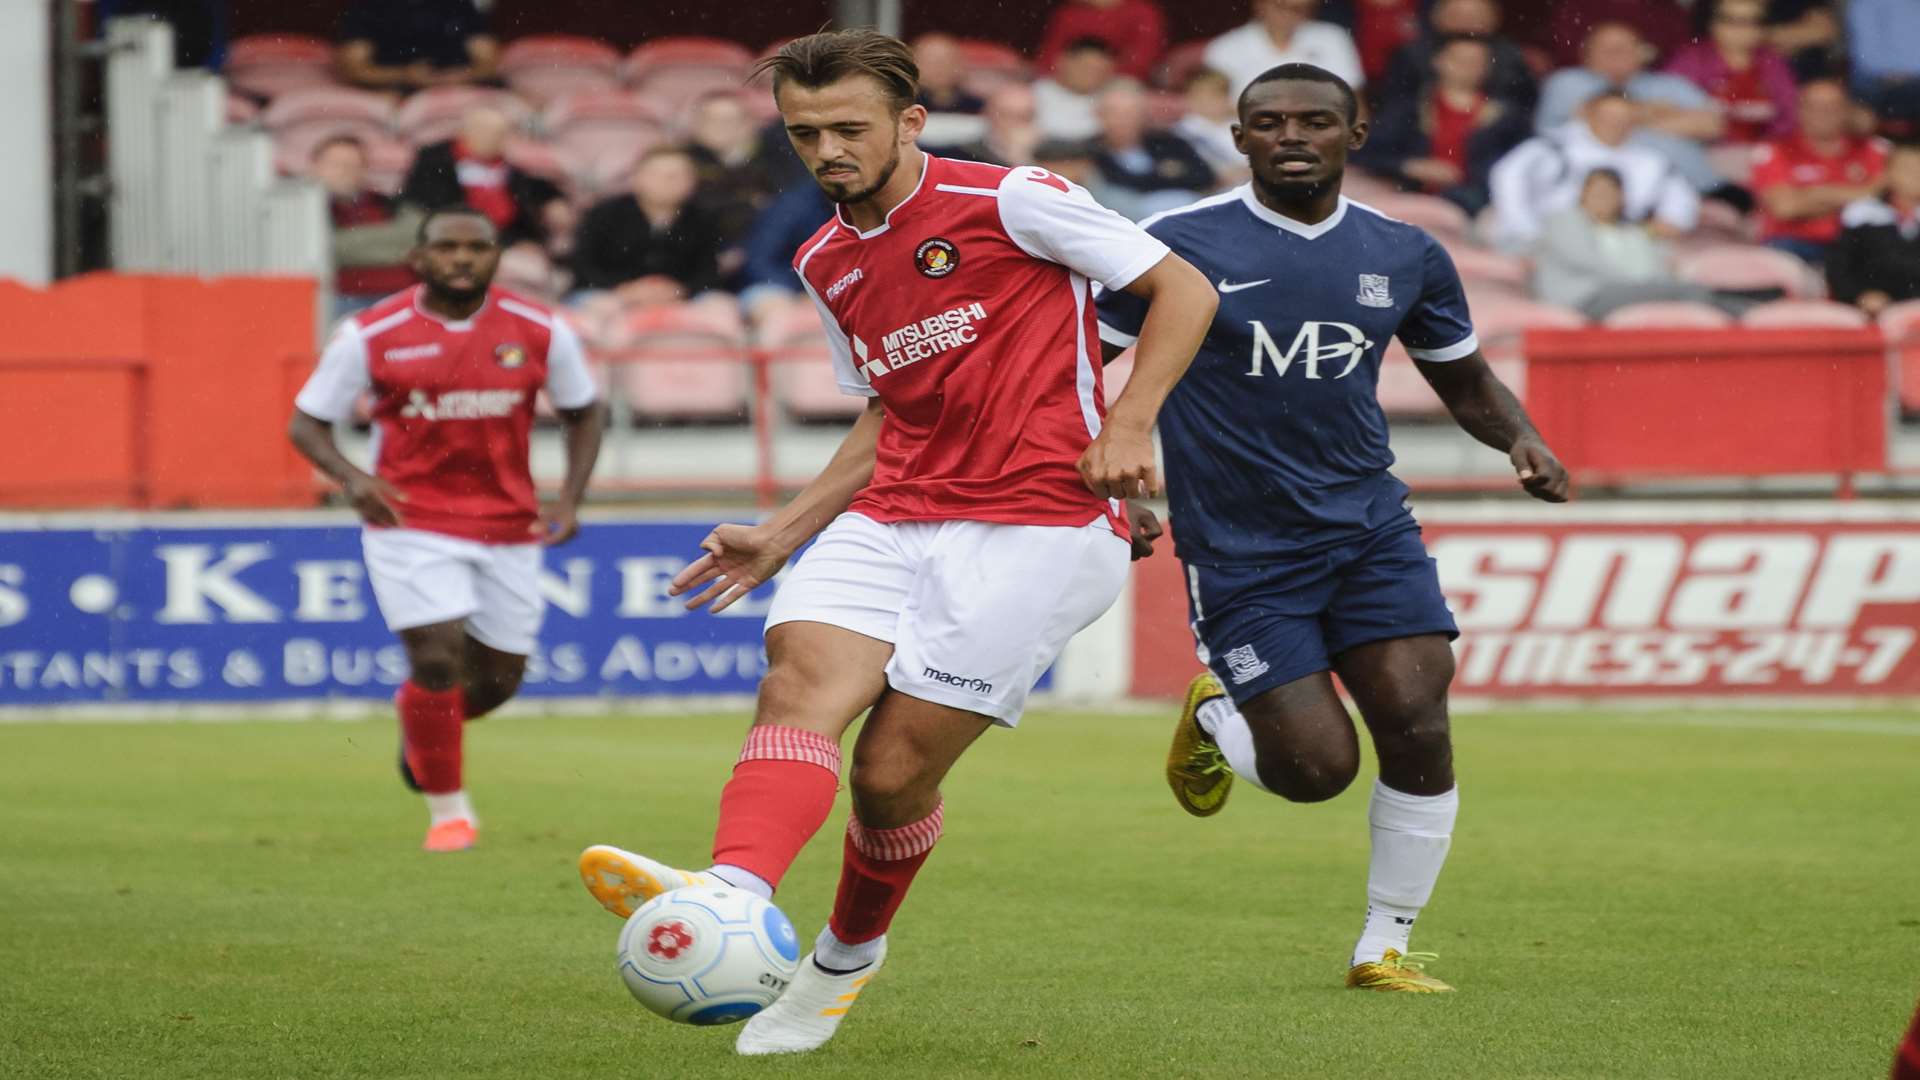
pixel 371 497
pixel 1180 306
pixel 1483 407
pixel 584 428
pixel 740 558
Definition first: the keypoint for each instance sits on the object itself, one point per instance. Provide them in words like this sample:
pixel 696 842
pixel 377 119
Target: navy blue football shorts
pixel 1259 627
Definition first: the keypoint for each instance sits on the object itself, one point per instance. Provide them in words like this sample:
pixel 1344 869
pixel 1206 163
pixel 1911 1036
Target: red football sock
pixel 1906 1060
pixel 780 794
pixel 877 867
pixel 430 723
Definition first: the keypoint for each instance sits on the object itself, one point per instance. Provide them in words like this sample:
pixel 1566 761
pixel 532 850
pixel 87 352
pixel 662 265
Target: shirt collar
pixel 1287 224
pixel 459 325
pixel 840 212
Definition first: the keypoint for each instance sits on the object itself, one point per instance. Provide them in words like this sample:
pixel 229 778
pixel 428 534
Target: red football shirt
pixel 1793 163
pixel 969 313
pixel 453 405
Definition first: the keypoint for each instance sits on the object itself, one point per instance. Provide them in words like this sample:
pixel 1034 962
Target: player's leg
pixel 1389 628
pixel 490 677
pixel 829 637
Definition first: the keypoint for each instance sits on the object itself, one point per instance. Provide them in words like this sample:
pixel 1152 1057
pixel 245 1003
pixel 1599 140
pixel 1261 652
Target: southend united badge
pixel 510 356
pixel 936 257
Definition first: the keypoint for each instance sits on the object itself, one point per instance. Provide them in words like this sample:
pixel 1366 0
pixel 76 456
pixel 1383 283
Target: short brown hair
pixel 821 59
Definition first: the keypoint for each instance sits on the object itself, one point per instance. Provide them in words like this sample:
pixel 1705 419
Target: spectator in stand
pixel 1145 170
pixel 1445 140
pixel 472 168
pixel 405 45
pixel 1807 34
pixel 1546 174
pixel 1207 124
pixel 1663 25
pixel 1753 84
pixel 769 283
pixel 653 244
pixel 1876 261
pixel 1511 79
pixel 371 236
pixel 1067 99
pixel 1803 181
pixel 1593 258
pixel 1077 161
pixel 1381 28
pixel 942 68
pixel 1012 131
pixel 1135 31
pixel 1883 40
pixel 736 181
pixel 1676 119
pixel 1283 32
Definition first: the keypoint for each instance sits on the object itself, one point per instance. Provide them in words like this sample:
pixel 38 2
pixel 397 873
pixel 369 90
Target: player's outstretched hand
pixel 1540 472
pixel 1146 529
pixel 1119 464
pixel 373 498
pixel 739 559
pixel 558 525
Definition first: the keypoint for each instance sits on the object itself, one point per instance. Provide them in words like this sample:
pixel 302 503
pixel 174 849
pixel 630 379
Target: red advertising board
pixel 1630 600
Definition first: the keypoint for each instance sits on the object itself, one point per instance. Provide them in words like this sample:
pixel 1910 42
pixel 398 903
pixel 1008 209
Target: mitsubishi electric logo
pixel 463 405
pixel 921 340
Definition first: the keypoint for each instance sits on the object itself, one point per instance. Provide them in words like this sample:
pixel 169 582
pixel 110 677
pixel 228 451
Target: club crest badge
pixel 936 258
pixel 510 356
pixel 1373 291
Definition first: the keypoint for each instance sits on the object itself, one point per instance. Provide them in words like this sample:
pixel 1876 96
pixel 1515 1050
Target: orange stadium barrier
pixel 152 391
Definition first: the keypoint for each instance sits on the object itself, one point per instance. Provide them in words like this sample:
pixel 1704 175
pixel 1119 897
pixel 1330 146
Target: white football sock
pixel 454 805
pixel 832 953
pixel 1411 834
pixel 741 878
pixel 1220 719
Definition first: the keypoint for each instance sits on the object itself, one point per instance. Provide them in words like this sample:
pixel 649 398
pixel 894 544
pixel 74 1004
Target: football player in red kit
pixel 454 532
pixel 967 527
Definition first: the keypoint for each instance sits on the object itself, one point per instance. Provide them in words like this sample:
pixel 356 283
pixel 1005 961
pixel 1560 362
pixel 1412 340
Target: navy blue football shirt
pixel 1275 441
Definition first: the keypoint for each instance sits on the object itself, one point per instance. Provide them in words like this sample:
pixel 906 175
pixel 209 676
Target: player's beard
pixel 1297 191
pixel 450 296
pixel 844 196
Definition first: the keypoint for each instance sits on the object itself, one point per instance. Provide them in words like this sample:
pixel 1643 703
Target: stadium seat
pixel 267 65
pixel 802 367
pixel 682 52
pixel 673 363
pixel 1402 390
pixel 601 135
pixel 1115 378
pixel 1720 223
pixel 669 74
pixel 991 65
pixel 1901 323
pixel 540 159
pixel 1479 265
pixel 1501 318
pixel 542 67
pixel 387 157
pixel 327 104
pixel 1667 315
pixel 1746 266
pixel 1446 221
pixel 432 115
pixel 525 268
pixel 1182 61
pixel 1783 313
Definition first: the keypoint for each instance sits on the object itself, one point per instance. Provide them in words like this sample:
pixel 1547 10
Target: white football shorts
pixel 421 578
pixel 976 611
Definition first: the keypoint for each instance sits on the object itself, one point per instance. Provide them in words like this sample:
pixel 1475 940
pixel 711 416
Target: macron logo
pixel 413 352
pixel 834 290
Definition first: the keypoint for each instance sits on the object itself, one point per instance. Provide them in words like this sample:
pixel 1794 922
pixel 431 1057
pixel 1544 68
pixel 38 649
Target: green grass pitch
pixel 1630 895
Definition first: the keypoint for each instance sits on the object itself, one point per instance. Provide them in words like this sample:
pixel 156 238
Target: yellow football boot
pixel 1196 771
pixel 1398 973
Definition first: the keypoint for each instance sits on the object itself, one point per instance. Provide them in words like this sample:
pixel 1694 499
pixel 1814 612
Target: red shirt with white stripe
pixel 1794 162
pixel 453 405
pixel 968 313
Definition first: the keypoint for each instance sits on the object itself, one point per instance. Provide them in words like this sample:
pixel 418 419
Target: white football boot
pixel 622 881
pixel 810 1011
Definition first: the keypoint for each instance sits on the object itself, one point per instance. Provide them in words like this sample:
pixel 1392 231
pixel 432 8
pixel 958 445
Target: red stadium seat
pixel 1430 212
pixel 1182 61
pixel 1479 265
pixel 434 114
pixel 1114 379
pixel 1667 315
pixel 601 135
pixel 596 108
pixel 538 158
pixel 1901 324
pixel 1403 391
pixel 327 104
pixel 386 156
pixel 1805 313
pixel 802 367
pixel 1746 266
pixel 991 65
pixel 268 65
pixel 550 51
pixel 671 52
pixel 1499 318
pixel 675 363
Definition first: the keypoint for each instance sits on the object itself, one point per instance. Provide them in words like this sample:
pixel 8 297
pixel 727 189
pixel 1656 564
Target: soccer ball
pixel 708 956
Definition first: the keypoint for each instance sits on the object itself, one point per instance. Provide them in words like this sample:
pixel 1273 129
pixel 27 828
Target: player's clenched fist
pixel 738 559
pixel 373 498
pixel 1539 471
pixel 1119 465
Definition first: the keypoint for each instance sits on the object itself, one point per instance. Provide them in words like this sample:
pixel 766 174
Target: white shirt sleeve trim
pixel 339 378
pixel 1117 337
pixel 569 384
pixel 846 374
pixel 1456 351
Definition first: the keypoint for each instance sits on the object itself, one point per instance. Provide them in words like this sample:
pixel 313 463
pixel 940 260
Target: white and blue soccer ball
pixel 708 956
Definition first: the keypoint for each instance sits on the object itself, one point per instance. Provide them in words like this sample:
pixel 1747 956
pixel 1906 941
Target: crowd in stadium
pixel 1637 164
